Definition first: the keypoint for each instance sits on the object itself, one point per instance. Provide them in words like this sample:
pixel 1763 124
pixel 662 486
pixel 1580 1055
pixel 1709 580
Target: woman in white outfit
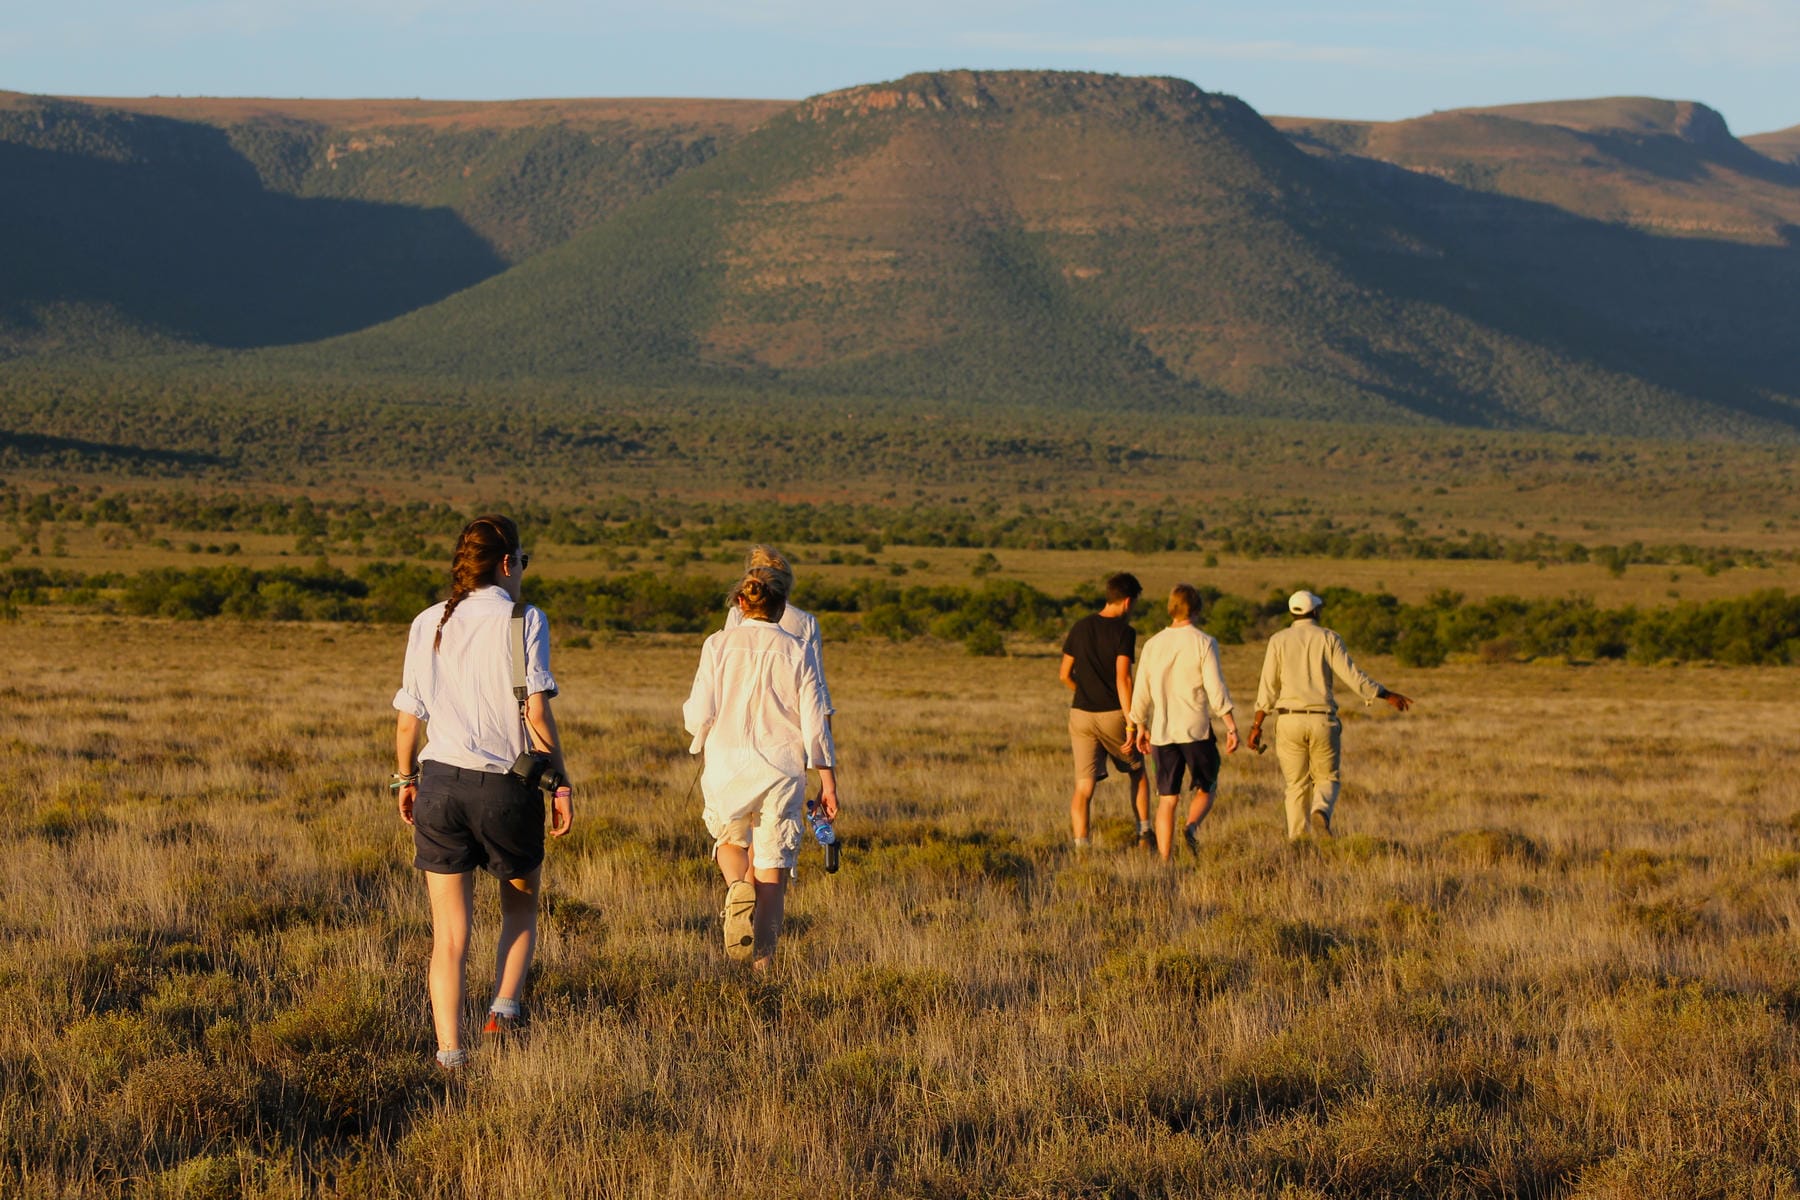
pixel 758 712
pixel 803 625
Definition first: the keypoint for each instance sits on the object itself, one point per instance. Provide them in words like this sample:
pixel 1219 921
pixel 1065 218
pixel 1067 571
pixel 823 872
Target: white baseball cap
pixel 1303 602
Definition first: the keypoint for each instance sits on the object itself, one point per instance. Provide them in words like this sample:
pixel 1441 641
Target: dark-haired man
pixel 1096 666
pixel 1296 684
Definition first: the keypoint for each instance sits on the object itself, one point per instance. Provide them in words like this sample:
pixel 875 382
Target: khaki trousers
pixel 1307 746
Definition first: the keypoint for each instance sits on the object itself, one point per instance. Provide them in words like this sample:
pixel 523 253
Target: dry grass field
pixel 1551 953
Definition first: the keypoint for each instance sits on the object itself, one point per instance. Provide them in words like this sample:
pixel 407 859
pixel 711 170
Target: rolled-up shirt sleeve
pixel 410 697
pixel 537 653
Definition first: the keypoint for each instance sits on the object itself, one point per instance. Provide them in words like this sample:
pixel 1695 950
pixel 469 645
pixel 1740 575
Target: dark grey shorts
pixel 465 819
pixel 1200 759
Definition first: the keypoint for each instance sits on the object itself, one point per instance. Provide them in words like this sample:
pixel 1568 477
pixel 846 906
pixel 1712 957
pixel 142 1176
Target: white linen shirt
pixel 802 626
pixel 1179 686
pixel 757 710
pixel 465 690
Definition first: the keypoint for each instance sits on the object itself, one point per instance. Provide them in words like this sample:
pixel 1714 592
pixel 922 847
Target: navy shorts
pixel 465 819
pixel 1199 759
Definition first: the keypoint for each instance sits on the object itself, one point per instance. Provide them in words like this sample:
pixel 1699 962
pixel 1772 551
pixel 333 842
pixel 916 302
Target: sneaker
pixel 1147 840
pixel 1320 822
pixel 501 1025
pixel 1190 837
pixel 739 919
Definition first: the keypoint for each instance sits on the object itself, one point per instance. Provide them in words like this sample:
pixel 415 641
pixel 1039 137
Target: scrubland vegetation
pixel 1550 953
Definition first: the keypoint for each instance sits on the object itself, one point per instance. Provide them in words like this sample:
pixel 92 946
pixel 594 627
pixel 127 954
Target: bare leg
pixel 1140 795
pixel 734 862
pixel 452 911
pixel 518 934
pixel 1165 825
pixel 771 906
pixel 1200 807
pixel 1078 808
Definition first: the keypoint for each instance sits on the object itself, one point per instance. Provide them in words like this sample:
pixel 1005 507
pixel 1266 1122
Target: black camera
pixel 536 770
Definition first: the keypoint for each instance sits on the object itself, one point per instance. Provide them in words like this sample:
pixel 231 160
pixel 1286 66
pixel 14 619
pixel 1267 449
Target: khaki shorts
pixel 1097 736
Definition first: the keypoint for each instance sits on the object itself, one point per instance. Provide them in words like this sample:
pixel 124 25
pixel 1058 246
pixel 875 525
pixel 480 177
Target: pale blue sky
pixel 1296 57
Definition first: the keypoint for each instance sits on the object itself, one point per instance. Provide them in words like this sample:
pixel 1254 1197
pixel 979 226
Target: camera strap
pixel 518 668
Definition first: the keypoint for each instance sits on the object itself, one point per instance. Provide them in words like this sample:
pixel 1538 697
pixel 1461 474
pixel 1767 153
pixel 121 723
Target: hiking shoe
pixel 1320 823
pixel 739 919
pixel 1147 840
pixel 1190 837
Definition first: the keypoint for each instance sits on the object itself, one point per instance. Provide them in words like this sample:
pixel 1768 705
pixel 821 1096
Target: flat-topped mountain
pixel 1046 238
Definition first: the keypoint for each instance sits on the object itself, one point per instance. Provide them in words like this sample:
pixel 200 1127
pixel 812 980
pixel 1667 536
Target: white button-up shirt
pixel 757 709
pixel 1179 686
pixel 465 689
pixel 804 627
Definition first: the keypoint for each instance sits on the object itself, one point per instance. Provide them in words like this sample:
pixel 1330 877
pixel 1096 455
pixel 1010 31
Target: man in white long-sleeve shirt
pixel 1178 691
pixel 758 712
pixel 1296 685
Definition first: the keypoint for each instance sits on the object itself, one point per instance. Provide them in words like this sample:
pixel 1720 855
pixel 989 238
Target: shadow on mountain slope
pixel 170 229
pixel 1708 319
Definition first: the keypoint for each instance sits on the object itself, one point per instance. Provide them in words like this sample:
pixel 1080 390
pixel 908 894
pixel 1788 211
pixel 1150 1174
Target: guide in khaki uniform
pixel 1296 686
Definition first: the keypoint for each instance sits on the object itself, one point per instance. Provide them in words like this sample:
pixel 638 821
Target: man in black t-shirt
pixel 1096 666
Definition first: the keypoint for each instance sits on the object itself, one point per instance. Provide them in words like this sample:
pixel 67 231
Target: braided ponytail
pixel 484 543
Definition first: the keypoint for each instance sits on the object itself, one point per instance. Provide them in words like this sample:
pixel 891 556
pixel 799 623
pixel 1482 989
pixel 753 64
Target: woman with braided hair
pixel 759 714
pixel 467 808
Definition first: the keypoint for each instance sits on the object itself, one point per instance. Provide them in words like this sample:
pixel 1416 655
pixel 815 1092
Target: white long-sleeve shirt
pixel 465 688
pixel 803 626
pixel 1179 686
pixel 757 710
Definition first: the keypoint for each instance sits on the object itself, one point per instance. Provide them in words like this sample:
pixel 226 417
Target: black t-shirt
pixel 1096 644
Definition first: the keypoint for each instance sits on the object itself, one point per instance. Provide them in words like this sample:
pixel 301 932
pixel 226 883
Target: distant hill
pixel 1671 167
pixel 1046 238
pixel 522 174
pixel 1782 145
pixel 1035 238
pixel 251 222
pixel 1644 216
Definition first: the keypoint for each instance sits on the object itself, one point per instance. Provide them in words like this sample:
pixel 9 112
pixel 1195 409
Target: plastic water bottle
pixel 827 836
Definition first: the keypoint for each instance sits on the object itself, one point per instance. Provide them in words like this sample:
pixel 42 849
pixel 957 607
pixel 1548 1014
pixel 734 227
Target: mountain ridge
pixel 1055 238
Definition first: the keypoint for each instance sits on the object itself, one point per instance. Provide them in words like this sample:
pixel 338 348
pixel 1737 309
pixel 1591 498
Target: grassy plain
pixel 1551 953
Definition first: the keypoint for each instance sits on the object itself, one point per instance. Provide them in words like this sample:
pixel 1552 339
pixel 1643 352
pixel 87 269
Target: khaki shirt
pixel 1298 667
pixel 1179 686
